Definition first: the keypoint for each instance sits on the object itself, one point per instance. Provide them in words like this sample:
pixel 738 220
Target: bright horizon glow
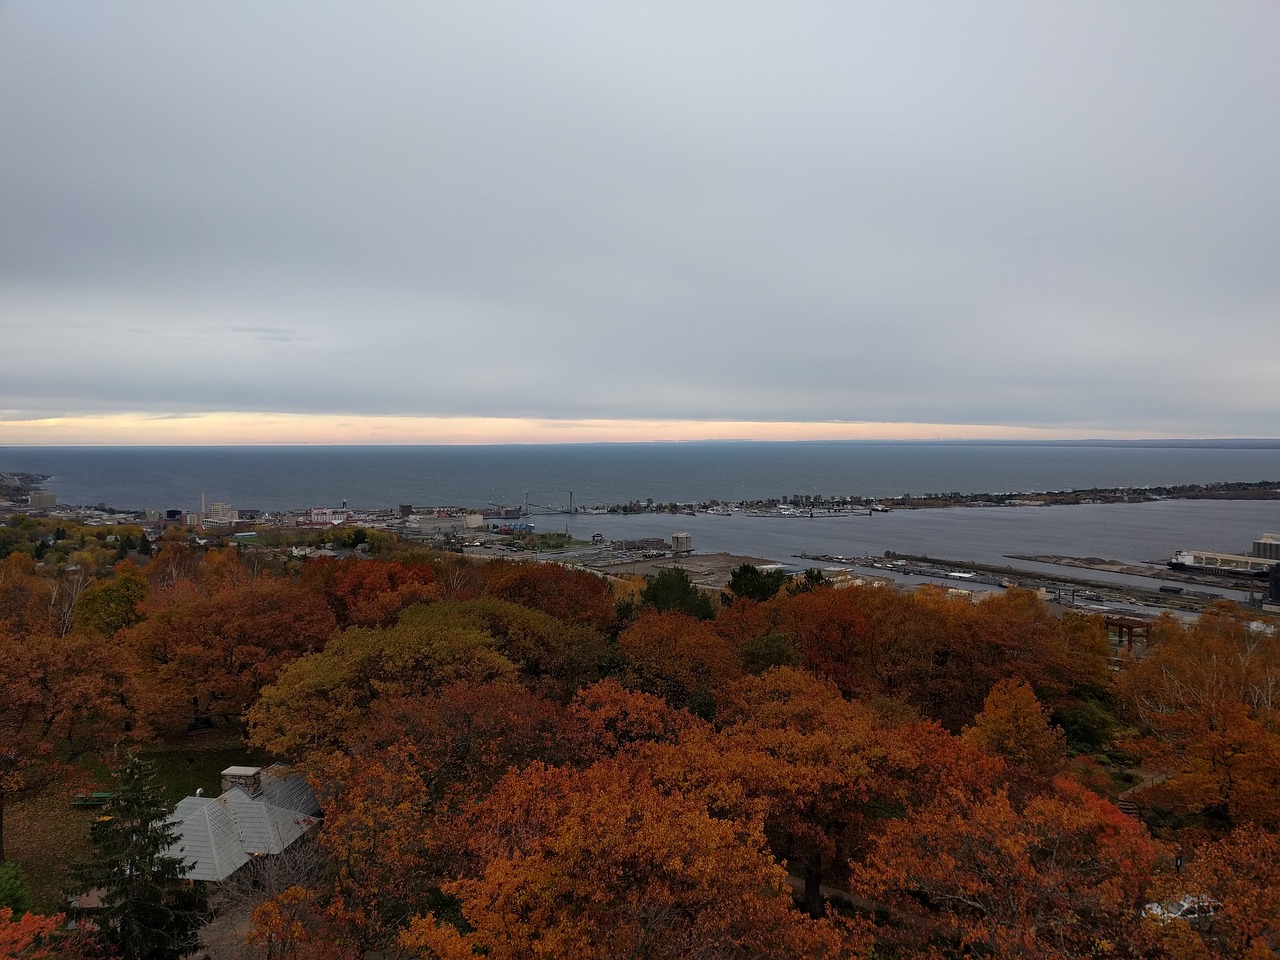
pixel 218 429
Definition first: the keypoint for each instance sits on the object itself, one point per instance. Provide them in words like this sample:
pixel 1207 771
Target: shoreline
pixel 18 484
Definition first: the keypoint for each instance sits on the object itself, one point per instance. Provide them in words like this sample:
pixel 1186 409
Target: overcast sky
pixel 428 221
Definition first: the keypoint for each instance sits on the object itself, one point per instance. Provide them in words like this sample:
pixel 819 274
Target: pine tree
pixel 148 912
pixel 13 888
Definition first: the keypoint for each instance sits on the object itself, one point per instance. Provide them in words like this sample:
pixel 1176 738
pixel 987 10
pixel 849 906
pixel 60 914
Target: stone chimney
pixel 248 779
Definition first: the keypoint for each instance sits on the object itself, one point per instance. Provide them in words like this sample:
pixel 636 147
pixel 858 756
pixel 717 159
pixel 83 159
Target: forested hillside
pixel 524 760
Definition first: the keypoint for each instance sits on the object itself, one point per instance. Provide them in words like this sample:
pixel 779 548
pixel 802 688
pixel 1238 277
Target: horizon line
pixel 221 428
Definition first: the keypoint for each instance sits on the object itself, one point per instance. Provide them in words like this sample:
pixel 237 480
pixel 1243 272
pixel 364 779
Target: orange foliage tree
pixel 1209 695
pixel 204 654
pixel 1057 878
pixel 60 696
pixel 370 593
pixel 379 834
pixel 606 719
pixel 939 654
pixel 466 735
pixel 1241 873
pixel 27 937
pixel 598 863
pixel 816 770
pixel 679 658
pixel 27 602
pixel 1015 727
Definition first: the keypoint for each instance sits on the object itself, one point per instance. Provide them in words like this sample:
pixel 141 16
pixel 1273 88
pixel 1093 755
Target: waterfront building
pixel 329 515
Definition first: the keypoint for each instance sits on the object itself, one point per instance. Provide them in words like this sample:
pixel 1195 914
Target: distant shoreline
pixel 15 485
pixel 626 476
pixel 1232 490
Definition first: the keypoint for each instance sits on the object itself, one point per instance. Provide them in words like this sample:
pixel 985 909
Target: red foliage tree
pixel 571 596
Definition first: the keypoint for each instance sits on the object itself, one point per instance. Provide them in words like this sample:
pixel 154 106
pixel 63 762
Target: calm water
pixel 279 478
pixel 1129 532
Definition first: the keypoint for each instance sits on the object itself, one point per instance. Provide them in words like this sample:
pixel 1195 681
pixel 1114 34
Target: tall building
pixel 219 510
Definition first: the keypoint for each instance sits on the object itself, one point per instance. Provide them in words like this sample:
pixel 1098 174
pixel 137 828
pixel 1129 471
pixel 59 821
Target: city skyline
pixel 222 223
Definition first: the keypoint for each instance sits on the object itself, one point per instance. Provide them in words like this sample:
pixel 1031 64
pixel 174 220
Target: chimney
pixel 248 779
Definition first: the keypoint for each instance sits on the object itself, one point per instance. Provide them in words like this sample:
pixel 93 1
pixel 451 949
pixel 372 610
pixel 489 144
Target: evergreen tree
pixel 672 590
pixel 755 584
pixel 148 912
pixel 13 888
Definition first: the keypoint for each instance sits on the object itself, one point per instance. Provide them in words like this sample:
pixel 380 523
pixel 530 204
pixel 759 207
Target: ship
pixel 1222 564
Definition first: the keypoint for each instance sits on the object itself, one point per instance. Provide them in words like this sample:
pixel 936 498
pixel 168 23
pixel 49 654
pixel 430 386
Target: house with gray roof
pixel 260 813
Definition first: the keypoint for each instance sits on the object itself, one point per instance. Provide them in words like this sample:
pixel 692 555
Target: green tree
pixel 812 579
pixel 110 605
pixel 672 590
pixel 147 911
pixel 763 653
pixel 13 888
pixel 756 584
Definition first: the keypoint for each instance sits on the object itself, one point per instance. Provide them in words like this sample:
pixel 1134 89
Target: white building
pixel 329 515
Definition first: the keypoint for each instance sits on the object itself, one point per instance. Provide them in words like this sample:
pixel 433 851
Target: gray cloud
pixel 995 213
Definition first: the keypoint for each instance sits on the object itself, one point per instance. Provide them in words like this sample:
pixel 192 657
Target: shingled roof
pixel 217 836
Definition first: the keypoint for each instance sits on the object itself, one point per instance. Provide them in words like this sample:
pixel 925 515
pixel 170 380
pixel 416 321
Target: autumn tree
pixel 358 666
pixel 818 771
pixel 27 936
pixel 30 936
pixel 60 696
pixel 1014 726
pixel 553 657
pixel 26 599
pixel 371 593
pixel 379 832
pixel 1059 877
pixel 575 597
pixel 752 630
pixel 1240 874
pixel 174 562
pixel 297 924
pixel 1209 696
pixel 679 658
pixel 201 655
pixel 606 719
pixel 112 604
pixel 939 654
pixel 598 864
pixel 467 735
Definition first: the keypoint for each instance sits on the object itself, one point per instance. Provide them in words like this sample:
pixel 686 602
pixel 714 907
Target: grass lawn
pixel 46 835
